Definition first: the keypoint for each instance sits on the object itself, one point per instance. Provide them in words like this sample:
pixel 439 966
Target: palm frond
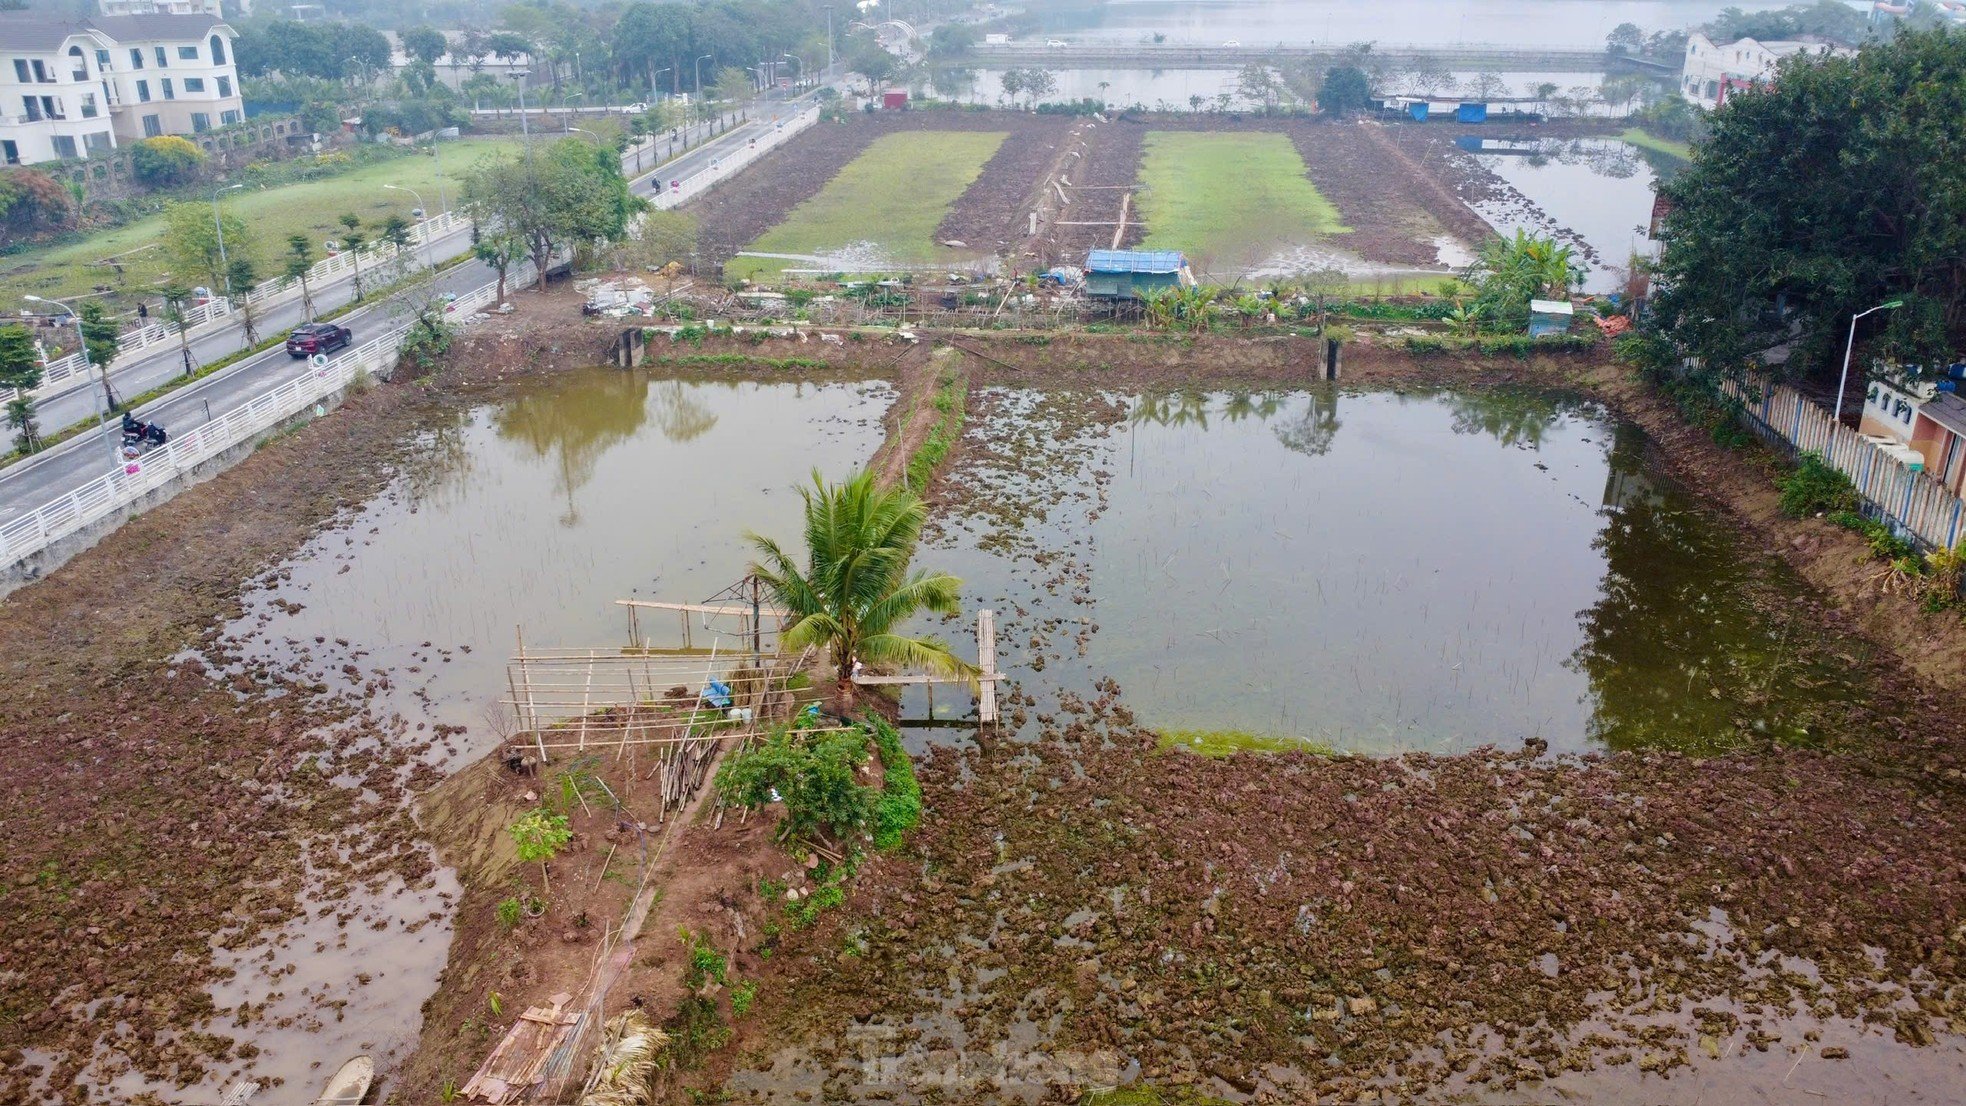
pixel 930 655
pixel 625 1068
pixel 939 593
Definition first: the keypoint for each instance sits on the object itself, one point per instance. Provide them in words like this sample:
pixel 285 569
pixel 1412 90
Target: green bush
pixel 1884 545
pixel 1813 488
pixel 899 809
pixel 814 773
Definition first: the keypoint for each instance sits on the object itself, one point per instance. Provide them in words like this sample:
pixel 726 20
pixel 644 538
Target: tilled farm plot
pixel 987 215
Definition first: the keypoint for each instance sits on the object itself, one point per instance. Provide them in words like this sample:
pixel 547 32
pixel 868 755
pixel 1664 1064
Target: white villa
pixel 1713 68
pixel 71 87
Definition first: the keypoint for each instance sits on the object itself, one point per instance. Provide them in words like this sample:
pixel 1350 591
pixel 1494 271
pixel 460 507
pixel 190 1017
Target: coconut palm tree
pixel 856 587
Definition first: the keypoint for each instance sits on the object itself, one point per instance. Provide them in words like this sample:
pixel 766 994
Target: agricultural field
pixel 307 207
pixel 882 208
pixel 1232 202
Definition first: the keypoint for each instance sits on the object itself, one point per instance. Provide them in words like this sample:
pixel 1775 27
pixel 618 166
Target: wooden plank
pixel 986 659
pixel 742 609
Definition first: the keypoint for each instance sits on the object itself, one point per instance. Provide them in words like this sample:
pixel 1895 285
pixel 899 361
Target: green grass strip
pixel 1639 136
pixel 1222 743
pixel 893 195
pixel 1230 199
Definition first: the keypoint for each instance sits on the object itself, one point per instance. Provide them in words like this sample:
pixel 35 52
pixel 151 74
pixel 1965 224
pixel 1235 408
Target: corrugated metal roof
pixel 1135 261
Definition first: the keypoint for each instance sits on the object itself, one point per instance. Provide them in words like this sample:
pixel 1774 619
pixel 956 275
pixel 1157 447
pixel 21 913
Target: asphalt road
pixel 26 485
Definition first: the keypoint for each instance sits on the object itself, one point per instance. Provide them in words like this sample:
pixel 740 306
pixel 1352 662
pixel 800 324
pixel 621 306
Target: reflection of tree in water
pixel 1676 653
pixel 1194 408
pixel 1173 409
pixel 1615 160
pixel 1312 431
pixel 578 422
pixel 1512 416
pixel 954 83
pixel 437 461
pixel 680 415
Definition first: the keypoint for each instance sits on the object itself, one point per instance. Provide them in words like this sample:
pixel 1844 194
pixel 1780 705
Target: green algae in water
pixel 1384 571
pixel 1222 743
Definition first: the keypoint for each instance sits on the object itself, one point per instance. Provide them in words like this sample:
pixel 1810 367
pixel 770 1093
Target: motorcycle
pixel 136 432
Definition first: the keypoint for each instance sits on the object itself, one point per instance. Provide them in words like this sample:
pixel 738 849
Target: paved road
pixel 29 484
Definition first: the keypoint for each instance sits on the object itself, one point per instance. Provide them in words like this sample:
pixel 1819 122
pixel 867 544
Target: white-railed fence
pixel 678 191
pixel 57 373
pixel 1917 504
pixel 120 487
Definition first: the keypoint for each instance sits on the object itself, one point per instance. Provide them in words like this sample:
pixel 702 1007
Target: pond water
pixel 1374 571
pixel 1564 23
pixel 542 511
pixel 1595 192
pixel 539 511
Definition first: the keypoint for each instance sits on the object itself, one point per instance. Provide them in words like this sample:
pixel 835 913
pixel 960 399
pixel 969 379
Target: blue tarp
pixel 717 695
pixel 1135 261
pixel 1471 113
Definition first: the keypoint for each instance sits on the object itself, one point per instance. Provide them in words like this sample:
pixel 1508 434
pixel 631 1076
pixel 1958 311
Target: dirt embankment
pixel 1101 184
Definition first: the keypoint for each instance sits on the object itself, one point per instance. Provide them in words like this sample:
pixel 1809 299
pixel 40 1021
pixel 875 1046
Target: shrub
pixel 508 912
pixel 815 774
pixel 166 161
pixel 32 202
pixel 1813 487
pixel 899 809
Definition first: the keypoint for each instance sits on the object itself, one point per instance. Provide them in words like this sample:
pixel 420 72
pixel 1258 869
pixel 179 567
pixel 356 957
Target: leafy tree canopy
pixel 1822 19
pixel 570 193
pixel 1346 90
pixel 425 44
pixel 32 202
pixel 1839 187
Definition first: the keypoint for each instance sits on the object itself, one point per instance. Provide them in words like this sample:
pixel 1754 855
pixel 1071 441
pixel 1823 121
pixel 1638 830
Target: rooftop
pixel 1136 261
pixel 31 32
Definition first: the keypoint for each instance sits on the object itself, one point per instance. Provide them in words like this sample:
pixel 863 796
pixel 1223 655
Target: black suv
pixel 311 338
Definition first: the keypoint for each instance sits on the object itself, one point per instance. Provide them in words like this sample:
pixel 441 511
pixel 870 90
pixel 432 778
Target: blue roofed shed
pixel 1133 274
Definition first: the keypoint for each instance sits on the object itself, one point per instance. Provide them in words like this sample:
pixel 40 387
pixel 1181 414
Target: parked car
pixel 1056 42
pixel 637 108
pixel 312 338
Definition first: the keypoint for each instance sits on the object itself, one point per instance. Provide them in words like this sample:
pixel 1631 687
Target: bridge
pixel 1497 58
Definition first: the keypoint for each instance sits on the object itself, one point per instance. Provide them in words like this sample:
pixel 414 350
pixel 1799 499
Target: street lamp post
pixel 802 65
pixel 1850 345
pixel 699 78
pixel 218 224
pixel 428 261
pixel 108 396
pixel 519 82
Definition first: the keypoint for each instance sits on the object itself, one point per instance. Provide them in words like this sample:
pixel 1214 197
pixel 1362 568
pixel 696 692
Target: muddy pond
pixel 539 511
pixel 1369 570
pixel 1372 571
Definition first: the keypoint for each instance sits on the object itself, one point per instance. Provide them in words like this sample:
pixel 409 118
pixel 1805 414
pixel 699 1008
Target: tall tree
pixel 352 240
pixel 856 589
pixel 299 262
pixel 570 194
pixel 20 371
pixel 1346 90
pixel 177 299
pixel 102 340
pixel 426 44
pixel 1838 187
pixel 241 278
pixel 192 241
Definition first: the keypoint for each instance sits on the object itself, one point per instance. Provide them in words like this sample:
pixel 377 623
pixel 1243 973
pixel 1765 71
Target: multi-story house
pixel 74 87
pixel 1713 69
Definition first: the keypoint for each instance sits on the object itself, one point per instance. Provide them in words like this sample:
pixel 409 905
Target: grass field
pixel 308 207
pixel 1230 200
pixel 1645 139
pixel 893 196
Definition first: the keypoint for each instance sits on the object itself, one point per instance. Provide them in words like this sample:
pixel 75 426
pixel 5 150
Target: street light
pixel 108 396
pixel 519 81
pixel 428 261
pixel 1887 305
pixel 802 65
pixel 224 270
